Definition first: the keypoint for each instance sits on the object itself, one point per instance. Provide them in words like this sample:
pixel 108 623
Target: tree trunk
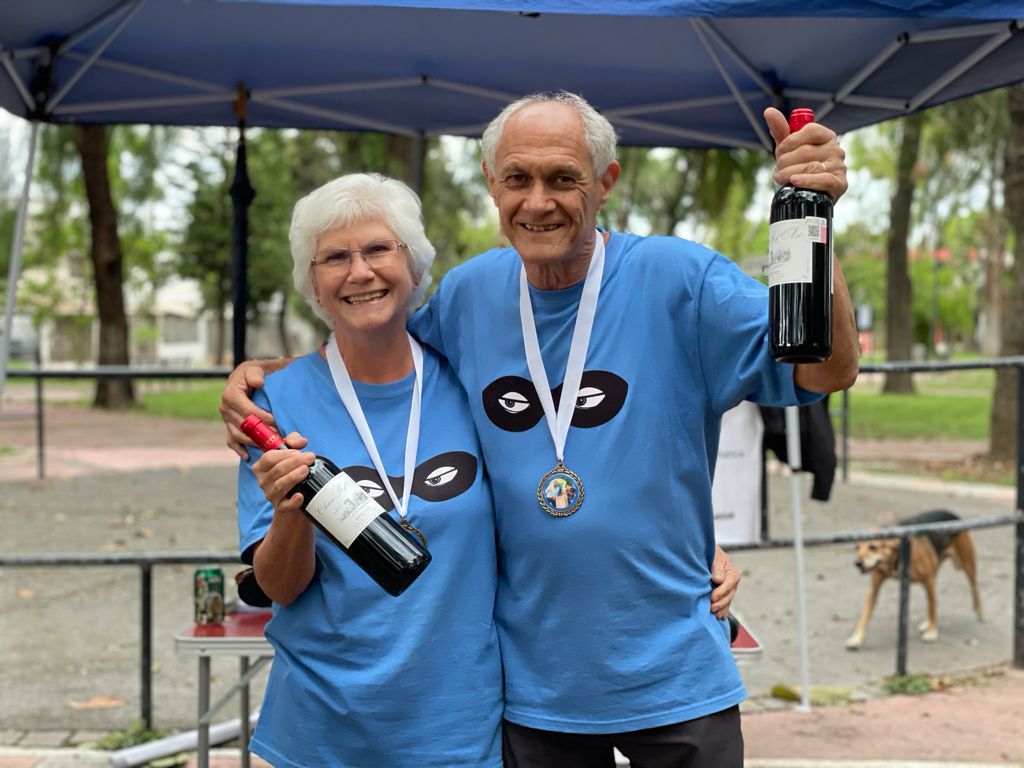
pixel 992 296
pixel 898 332
pixel 223 293
pixel 107 265
pixel 1003 420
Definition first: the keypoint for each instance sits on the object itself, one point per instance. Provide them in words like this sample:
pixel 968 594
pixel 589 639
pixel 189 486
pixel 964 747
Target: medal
pixel 560 492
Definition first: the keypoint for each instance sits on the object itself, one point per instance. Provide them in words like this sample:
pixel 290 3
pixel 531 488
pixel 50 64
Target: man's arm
pixel 839 371
pixel 812 158
pixel 236 402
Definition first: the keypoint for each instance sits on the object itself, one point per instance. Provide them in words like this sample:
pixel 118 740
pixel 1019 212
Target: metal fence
pixel 146 561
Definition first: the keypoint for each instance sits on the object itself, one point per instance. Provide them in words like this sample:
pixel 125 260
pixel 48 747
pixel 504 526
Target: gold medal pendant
pixel 560 492
pixel 413 530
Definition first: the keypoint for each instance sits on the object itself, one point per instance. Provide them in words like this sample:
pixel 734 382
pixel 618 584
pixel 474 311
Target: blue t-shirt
pixel 603 616
pixel 360 678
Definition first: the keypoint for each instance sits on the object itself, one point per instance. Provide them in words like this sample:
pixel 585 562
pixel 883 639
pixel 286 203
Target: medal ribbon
pixel 558 424
pixel 343 383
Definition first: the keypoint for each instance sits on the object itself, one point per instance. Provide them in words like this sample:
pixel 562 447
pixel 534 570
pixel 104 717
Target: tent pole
pixel 91 59
pixel 955 72
pixel 863 74
pixel 18 84
pixel 795 463
pixel 700 27
pixel 14 268
pixel 242 195
pixel 98 23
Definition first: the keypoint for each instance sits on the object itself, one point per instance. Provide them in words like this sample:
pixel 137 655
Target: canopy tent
pixel 694 73
pixel 674 73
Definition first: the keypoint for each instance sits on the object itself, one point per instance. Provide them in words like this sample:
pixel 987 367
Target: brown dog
pixel 879 558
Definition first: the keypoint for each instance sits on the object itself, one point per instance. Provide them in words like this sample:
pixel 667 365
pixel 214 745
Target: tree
pixel 95 184
pixel 205 251
pixel 898 327
pixel 660 189
pixel 1004 416
pixel 93 146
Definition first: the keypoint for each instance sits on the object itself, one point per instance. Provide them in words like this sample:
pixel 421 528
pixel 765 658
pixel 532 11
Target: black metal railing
pixel 904 534
pixel 146 561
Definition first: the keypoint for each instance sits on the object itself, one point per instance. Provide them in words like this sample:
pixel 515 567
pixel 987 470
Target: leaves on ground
pixel 97 702
pixel 137 733
pixel 821 695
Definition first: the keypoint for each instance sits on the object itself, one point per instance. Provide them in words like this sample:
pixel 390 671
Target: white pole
pixel 14 268
pixel 795 462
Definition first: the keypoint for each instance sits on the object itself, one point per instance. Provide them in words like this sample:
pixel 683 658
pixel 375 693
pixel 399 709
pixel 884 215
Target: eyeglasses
pixel 375 254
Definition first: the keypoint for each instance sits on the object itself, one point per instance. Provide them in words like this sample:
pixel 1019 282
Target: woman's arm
pixel 285 561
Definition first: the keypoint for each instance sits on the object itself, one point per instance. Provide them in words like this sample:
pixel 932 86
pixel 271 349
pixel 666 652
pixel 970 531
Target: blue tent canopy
pixel 666 72
pixel 694 73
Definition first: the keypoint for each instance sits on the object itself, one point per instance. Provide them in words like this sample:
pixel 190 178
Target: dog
pixel 879 558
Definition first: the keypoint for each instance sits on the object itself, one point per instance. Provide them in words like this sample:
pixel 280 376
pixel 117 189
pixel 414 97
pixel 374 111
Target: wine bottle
pixel 800 269
pixel 339 507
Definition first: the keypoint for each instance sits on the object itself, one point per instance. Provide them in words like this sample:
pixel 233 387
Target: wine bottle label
pixel 791 246
pixel 343 508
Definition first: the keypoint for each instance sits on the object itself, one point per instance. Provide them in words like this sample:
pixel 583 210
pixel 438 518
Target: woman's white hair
pixel 598 132
pixel 352 199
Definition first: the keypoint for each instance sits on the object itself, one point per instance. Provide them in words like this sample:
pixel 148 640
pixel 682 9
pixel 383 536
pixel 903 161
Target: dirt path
pixel 976 723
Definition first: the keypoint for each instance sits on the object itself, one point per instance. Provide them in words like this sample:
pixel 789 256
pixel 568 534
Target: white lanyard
pixel 559 424
pixel 343 383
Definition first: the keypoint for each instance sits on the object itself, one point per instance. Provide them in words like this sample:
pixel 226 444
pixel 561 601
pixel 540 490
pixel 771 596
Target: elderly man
pixel 598 366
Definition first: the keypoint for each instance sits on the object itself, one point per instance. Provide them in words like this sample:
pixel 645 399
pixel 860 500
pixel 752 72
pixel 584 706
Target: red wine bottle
pixel 389 554
pixel 800 269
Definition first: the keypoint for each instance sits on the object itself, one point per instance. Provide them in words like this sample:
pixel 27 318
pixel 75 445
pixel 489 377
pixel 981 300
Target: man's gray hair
pixel 353 199
pixel 598 132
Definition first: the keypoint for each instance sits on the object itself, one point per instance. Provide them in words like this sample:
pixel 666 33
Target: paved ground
pixel 70 647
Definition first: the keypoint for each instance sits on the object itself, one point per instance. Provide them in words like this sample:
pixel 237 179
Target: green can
pixel 209 596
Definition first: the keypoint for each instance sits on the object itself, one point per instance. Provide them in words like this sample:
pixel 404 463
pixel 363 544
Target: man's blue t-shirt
pixel 360 678
pixel 604 616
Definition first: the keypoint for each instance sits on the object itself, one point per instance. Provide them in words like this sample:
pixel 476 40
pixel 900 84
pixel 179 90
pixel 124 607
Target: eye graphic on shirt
pixel 589 397
pixel 440 478
pixel 511 402
pixel 372 488
pixel 599 399
pixel 445 476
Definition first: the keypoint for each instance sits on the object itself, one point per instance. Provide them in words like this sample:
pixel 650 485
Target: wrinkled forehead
pixel 547 130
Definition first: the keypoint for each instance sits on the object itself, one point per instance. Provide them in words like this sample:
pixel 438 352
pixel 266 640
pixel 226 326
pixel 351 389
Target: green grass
pixel 909 685
pixel 198 401
pixel 922 416
pixel 952 405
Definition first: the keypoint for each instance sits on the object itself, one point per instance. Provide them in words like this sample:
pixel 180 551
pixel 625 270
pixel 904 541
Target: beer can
pixel 209 596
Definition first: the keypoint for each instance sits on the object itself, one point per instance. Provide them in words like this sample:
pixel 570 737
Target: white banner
pixel 736 492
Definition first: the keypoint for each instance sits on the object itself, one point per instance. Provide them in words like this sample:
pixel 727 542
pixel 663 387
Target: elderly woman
pixel 361 678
